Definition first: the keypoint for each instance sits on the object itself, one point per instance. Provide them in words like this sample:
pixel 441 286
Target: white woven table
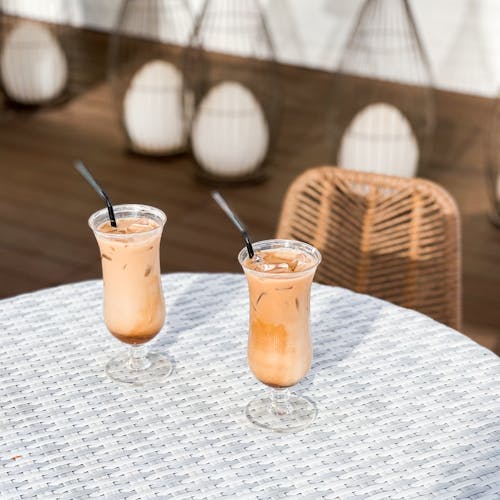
pixel 407 407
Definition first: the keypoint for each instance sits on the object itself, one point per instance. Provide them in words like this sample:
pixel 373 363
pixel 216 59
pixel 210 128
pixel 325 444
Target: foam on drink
pixel 280 261
pixel 129 225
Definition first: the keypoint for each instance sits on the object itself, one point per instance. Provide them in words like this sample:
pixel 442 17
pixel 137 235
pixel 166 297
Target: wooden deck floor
pixel 45 241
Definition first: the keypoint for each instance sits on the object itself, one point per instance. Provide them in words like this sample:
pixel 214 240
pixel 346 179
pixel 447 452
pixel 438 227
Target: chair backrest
pixel 394 238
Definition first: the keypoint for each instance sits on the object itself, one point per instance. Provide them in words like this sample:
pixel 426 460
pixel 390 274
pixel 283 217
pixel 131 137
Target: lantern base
pixel 260 175
pixel 57 101
pixel 138 151
pixel 495 219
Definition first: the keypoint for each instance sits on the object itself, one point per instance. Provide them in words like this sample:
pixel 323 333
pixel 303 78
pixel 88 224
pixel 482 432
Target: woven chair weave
pixel 393 238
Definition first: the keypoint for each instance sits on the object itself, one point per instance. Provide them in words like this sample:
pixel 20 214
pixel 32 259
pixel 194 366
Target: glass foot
pixel 292 414
pixel 154 369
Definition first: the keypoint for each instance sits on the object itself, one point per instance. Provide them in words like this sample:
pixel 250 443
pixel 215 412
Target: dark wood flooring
pixel 44 204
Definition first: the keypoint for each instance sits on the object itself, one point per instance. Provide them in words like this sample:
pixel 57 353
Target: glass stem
pixel 280 402
pixel 137 359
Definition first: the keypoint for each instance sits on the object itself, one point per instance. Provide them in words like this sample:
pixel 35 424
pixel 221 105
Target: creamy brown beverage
pixel 279 343
pixel 134 309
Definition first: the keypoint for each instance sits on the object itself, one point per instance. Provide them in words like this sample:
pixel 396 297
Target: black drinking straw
pixel 235 220
pixel 82 169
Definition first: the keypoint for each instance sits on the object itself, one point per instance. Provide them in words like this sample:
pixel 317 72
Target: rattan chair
pixel 397 239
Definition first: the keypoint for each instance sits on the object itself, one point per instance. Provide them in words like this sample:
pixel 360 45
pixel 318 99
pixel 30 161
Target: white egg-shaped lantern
pixel 33 65
pixel 392 150
pixel 232 72
pixel 230 135
pixel 153 111
pixel 145 62
pixel 382 105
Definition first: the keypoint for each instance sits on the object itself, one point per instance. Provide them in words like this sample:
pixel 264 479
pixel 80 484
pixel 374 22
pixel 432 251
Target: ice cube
pixel 298 261
pixel 271 267
pixel 140 226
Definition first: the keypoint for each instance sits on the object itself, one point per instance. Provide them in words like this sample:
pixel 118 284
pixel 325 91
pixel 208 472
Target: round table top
pixel 407 406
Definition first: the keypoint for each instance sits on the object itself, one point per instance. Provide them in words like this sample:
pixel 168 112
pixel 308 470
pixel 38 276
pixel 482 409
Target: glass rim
pixel 156 213
pixel 281 243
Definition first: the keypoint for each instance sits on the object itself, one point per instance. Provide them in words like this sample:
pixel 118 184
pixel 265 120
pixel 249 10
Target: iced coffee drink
pixel 279 278
pixel 134 308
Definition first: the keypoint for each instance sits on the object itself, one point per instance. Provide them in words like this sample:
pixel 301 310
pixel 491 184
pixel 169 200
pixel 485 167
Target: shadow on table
pixel 193 306
pixel 340 321
pixel 340 326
